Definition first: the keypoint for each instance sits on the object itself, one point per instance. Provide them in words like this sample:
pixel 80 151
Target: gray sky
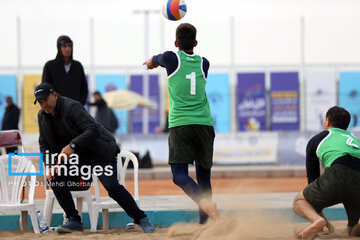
pixel 266 31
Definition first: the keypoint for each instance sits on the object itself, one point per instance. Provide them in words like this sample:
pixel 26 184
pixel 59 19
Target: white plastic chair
pixel 11 138
pixel 11 188
pixel 106 205
pixel 78 195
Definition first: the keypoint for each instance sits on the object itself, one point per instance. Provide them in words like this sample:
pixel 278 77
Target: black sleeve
pixel 170 61
pixel 312 160
pixel 88 126
pixel 167 60
pixel 91 104
pixel 13 121
pixel 84 87
pixel 16 117
pixel 46 77
pixel 43 144
pixel 206 66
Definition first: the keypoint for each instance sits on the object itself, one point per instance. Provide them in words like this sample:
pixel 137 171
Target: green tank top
pixel 188 100
pixel 336 144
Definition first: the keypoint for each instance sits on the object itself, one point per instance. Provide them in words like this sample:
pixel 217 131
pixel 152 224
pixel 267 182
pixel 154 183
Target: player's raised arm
pixel 150 64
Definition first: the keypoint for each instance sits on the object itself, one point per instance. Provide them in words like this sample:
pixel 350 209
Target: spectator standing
pixel 104 115
pixel 11 119
pixel 66 74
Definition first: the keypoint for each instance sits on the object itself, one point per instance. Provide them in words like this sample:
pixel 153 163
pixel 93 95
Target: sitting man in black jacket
pixel 66 128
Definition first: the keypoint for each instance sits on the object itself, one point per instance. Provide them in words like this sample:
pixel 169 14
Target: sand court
pixel 255 208
pixel 230 230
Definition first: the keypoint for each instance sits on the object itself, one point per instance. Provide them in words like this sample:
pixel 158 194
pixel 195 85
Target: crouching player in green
pixel 339 151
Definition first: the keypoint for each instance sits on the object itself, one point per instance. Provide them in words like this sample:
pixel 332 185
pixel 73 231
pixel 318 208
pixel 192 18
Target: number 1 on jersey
pixel 192 78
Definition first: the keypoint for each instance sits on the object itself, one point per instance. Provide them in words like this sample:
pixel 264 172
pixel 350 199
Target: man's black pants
pixel 111 184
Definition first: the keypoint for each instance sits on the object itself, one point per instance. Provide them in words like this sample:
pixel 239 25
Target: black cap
pixel 42 91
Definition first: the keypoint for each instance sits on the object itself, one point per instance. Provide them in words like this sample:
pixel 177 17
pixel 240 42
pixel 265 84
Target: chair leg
pixel 34 221
pixel 20 222
pixel 94 219
pixel 90 206
pixel 24 222
pixel 49 206
pixel 79 205
pixel 105 213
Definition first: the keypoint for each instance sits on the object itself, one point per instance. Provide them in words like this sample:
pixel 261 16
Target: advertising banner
pixel 349 96
pixel 284 101
pixel 292 147
pixel 154 94
pixel 229 148
pixel 7 88
pixel 136 115
pixel 251 101
pixel 320 95
pixel 30 110
pixel 110 82
pixel 218 94
pixel 246 148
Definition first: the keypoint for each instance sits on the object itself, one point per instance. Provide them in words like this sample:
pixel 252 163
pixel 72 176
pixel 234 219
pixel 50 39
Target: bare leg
pixel 329 226
pixel 353 213
pixel 304 209
pixel 209 208
pixel 349 230
pixel 192 189
pixel 354 231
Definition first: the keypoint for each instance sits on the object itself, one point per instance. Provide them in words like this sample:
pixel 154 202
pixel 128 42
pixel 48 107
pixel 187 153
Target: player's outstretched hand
pixel 149 64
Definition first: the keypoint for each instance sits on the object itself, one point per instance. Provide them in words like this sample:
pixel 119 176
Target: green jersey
pixel 188 100
pixel 337 144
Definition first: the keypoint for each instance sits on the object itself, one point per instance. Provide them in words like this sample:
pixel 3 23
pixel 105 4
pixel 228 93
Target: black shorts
pixel 338 184
pixel 192 143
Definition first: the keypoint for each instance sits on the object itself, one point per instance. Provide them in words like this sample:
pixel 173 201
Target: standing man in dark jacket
pixel 104 115
pixel 66 74
pixel 66 128
pixel 11 119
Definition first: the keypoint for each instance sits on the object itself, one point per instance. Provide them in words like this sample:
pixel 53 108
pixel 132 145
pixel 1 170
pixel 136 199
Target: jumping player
pixel 191 131
pixel 339 151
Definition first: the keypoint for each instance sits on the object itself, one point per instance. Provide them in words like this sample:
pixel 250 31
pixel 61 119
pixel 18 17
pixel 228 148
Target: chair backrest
pixel 11 186
pixel 121 173
pixel 11 138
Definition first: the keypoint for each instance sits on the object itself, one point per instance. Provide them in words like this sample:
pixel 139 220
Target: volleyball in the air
pixel 174 9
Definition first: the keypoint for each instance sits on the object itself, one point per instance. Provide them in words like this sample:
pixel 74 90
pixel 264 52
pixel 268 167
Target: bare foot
pixel 311 231
pixel 329 230
pixel 355 231
pixel 330 227
pixel 209 208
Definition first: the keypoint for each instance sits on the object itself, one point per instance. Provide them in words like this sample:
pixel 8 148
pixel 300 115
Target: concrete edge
pixel 166 218
pixel 265 171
